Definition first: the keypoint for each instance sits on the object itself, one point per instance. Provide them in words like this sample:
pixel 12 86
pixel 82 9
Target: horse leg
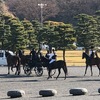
pixel 8 69
pixel 98 68
pixel 49 71
pixel 23 64
pixel 59 71
pixel 65 71
pixel 16 72
pixel 86 70
pixel 18 66
pixel 91 70
pixel 12 68
pixel 18 69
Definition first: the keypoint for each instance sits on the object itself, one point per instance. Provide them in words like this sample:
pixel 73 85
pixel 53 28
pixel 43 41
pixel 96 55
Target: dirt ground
pixel 33 84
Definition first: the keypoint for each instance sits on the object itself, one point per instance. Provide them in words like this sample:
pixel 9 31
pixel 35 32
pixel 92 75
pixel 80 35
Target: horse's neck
pixel 86 56
pixel 7 54
pixel 10 56
pixel 45 59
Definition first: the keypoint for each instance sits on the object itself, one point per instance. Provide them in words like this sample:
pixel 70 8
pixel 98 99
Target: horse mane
pixel 7 53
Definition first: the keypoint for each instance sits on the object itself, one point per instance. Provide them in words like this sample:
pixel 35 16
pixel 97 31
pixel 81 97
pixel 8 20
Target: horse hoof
pixel 18 73
pixel 50 76
pixel 15 73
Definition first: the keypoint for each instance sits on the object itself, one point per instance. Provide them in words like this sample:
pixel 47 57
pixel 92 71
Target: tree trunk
pixel 64 54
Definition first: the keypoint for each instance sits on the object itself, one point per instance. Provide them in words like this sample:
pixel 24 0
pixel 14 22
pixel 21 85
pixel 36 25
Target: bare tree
pixel 29 9
pixel 58 10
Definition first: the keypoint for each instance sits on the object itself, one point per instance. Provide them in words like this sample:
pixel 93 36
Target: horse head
pixel 7 53
pixel 45 61
pixel 84 55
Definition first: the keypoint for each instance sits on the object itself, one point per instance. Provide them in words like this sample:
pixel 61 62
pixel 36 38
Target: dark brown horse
pixel 55 65
pixel 25 60
pixel 90 62
pixel 13 61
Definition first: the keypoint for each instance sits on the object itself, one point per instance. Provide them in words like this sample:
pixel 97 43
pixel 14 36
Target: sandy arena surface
pixel 33 84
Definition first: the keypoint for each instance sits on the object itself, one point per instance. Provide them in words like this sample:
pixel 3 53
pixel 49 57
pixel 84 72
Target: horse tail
pixel 96 55
pixel 18 65
pixel 65 68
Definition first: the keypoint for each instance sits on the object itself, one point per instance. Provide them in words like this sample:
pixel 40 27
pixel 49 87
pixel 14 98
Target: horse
pixel 13 61
pixel 54 65
pixel 24 60
pixel 90 62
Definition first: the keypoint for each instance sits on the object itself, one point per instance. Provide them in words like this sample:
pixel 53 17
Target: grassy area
pixel 73 58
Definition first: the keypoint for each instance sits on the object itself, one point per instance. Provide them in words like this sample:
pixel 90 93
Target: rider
pixel 33 54
pixel 47 54
pixel 20 53
pixel 92 52
pixel 38 55
pixel 11 53
pixel 52 57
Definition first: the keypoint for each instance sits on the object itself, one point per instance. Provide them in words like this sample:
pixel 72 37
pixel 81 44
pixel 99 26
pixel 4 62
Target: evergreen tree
pixel 37 27
pixel 31 36
pixel 4 32
pixel 17 38
pixel 86 31
pixel 66 37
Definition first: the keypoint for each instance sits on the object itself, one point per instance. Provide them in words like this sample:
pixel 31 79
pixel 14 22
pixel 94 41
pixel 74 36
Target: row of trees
pixel 88 30
pixel 23 34
pixel 16 34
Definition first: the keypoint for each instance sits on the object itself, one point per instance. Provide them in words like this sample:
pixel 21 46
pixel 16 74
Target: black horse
pixel 55 65
pixel 13 61
pixel 90 62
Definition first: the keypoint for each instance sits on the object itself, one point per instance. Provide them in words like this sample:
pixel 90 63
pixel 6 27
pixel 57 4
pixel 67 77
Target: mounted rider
pixel 47 54
pixel 92 53
pixel 35 57
pixel 52 56
pixel 38 55
pixel 33 54
pixel 19 53
pixel 11 53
